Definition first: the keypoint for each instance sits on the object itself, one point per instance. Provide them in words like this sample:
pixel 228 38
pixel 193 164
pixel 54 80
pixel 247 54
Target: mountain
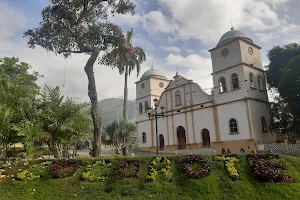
pixel 112 109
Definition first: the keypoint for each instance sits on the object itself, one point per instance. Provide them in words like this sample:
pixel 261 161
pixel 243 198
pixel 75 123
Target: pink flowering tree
pixel 126 58
pixel 82 26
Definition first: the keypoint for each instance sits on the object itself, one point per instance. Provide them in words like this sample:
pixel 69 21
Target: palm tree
pixel 122 135
pixel 126 58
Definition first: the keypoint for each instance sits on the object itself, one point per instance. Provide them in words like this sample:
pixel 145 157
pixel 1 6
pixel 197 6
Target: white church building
pixel 234 116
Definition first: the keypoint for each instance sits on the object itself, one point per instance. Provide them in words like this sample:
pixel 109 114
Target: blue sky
pixel 174 33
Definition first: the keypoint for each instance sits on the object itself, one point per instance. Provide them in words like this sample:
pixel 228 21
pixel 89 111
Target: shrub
pixel 128 170
pixel 160 165
pixel 97 172
pixel 35 172
pixel 64 168
pixel 196 167
pixel 268 171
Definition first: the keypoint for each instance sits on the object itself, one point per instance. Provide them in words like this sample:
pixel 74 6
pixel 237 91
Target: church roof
pixel 153 72
pixel 233 34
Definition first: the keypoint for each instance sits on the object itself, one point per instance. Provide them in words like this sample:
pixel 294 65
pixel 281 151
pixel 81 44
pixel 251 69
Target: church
pixel 234 116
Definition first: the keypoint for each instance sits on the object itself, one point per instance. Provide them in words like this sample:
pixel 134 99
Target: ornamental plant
pixel 268 170
pixel 230 166
pixel 160 165
pixel 97 172
pixel 64 168
pixel 35 172
pixel 129 170
pixel 196 167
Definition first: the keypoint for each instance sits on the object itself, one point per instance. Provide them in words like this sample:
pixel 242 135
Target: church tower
pixel 240 93
pixel 150 86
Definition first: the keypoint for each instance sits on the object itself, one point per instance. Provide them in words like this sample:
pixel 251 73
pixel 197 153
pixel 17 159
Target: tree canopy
pixel 283 74
pixel 82 26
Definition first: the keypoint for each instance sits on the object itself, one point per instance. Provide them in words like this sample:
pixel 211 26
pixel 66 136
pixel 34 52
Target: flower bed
pixel 35 172
pixel 196 167
pixel 64 168
pixel 230 166
pixel 97 172
pixel 129 170
pixel 268 171
pixel 160 165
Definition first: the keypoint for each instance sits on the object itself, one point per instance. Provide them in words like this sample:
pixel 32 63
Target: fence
pixel 279 147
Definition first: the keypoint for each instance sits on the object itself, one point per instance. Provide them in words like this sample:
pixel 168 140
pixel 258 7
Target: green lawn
pixel 217 185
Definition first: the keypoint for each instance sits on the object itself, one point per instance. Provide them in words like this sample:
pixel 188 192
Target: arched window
pixel 222 84
pixel 177 97
pixel 233 126
pixel 234 81
pixel 146 106
pixel 264 124
pixel 252 80
pixel 141 108
pixel 144 138
pixel 260 83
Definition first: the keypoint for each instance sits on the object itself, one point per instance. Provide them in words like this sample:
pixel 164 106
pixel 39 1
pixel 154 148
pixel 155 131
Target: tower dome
pixel 153 72
pixel 232 34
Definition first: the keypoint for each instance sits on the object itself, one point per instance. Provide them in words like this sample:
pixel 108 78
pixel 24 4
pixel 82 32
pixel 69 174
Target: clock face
pixel 225 52
pixel 143 85
pixel 161 84
pixel 250 50
pixel 177 82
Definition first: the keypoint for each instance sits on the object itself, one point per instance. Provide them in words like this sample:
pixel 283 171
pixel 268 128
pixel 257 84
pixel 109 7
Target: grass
pixel 217 185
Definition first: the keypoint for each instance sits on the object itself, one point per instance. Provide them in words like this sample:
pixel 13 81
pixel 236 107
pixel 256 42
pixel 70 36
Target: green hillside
pixel 112 109
pixel 213 184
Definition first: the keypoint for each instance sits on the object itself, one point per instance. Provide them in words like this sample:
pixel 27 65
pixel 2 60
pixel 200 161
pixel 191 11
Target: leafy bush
pixel 97 172
pixel 64 168
pixel 196 167
pixel 268 171
pixel 35 172
pixel 128 170
pixel 160 165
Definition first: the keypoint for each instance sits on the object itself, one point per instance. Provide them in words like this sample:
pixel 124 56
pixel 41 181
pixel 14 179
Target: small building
pixel 235 115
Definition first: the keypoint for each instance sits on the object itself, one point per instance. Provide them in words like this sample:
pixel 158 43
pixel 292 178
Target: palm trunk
pixel 125 111
pixel 92 92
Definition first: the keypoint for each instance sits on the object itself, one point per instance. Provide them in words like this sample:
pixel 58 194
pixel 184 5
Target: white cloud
pixel 193 67
pixel 192 61
pixel 11 20
pixel 155 21
pixel 129 19
pixel 208 20
pixel 172 49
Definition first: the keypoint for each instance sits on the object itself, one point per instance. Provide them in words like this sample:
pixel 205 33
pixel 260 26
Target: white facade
pixel 234 116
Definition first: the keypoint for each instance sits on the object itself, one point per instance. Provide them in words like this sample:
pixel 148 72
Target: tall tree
pixel 126 58
pixel 81 26
pixel 283 74
pixel 279 57
pixel 18 91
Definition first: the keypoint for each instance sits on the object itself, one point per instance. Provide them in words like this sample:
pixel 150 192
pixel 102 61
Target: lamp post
pixel 156 115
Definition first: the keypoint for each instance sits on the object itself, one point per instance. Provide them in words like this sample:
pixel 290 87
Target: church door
pixel 161 142
pixel 205 138
pixel 181 138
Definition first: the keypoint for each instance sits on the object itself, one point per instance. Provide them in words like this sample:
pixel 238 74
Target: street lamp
pixel 156 115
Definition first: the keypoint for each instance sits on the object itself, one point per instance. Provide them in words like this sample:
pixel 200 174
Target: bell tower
pixel 237 68
pixel 150 86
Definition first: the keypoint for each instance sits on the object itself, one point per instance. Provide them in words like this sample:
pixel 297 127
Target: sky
pixel 176 35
